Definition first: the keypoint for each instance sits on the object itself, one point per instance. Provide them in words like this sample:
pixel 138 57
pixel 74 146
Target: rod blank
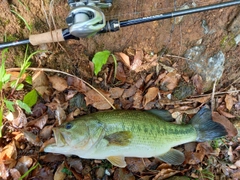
pixel 64 34
pixel 177 13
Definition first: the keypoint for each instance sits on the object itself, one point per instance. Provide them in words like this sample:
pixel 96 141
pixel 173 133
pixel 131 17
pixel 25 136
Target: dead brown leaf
pixel 77 83
pixel 123 174
pixel 229 102
pixel 190 147
pixel 43 173
pixel 40 82
pixel 26 160
pixel 137 99
pixel 237 163
pixel 226 114
pixel 58 83
pixel 39 109
pixel 151 61
pixel 97 101
pixel 23 164
pixel 149 76
pixel 46 132
pixel 160 77
pixel 50 141
pixel 39 122
pixel 18 118
pixel 125 59
pixel 186 78
pixel 129 92
pixel 9 151
pixel 139 83
pixel 116 92
pixel 232 131
pixel 236 175
pixel 15 174
pixel 137 165
pixel 165 173
pixel 203 99
pixel 59 174
pixel 70 94
pixel 49 158
pixel 121 76
pixel 193 157
pixel 4 171
pixel 170 81
pixel 60 115
pixel 32 138
pixel 198 83
pixel 204 148
pixel 76 164
pixel 150 95
pixel 137 61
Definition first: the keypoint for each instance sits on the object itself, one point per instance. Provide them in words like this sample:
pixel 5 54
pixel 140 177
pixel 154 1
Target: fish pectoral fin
pixel 121 138
pixel 118 161
pixel 173 156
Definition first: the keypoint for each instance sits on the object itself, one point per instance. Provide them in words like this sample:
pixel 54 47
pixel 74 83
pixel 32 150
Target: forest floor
pixel 159 65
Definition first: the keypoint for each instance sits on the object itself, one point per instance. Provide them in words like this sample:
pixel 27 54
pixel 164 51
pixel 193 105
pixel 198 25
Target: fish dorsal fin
pixel 118 161
pixel 173 157
pixel 162 114
pixel 121 138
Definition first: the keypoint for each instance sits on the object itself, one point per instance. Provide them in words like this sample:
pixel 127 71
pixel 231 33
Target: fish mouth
pixel 60 140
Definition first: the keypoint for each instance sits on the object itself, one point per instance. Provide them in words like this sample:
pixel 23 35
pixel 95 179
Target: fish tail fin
pixel 206 128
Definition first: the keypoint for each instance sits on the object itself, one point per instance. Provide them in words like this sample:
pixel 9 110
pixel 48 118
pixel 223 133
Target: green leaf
pixel 1 117
pixel 29 79
pixel 9 105
pixel 23 106
pixel 2 69
pixel 13 84
pixel 115 66
pixel 31 98
pixel 19 87
pixel 66 171
pixel 99 59
pixel 6 78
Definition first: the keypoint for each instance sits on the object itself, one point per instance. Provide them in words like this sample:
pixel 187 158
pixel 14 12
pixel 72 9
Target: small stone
pixel 100 79
pixel 237 39
pixel 100 172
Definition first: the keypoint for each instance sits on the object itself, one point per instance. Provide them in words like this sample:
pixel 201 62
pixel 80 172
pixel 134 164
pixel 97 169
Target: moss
pixel 228 41
pixel 183 91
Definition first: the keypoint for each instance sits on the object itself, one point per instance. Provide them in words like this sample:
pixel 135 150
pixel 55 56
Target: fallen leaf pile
pixel 143 81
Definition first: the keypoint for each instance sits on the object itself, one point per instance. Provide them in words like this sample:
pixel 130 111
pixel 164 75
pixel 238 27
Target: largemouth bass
pixel 116 134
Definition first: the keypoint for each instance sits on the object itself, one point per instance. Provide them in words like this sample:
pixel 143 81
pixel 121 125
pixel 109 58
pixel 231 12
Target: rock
pixel 235 25
pixel 237 39
pixel 210 69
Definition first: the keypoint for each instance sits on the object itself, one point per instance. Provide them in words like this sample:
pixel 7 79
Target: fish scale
pixel 114 135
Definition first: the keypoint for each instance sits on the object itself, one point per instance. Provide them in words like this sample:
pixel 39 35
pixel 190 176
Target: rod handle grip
pixel 48 37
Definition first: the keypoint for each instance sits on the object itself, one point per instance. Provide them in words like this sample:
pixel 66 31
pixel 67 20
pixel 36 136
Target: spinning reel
pixel 86 19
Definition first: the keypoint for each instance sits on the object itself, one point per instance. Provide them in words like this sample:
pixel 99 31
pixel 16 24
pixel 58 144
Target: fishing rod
pixel 86 19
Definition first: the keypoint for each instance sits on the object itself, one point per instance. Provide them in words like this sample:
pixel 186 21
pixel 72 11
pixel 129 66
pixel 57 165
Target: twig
pixel 57 71
pixel 174 56
pixel 213 93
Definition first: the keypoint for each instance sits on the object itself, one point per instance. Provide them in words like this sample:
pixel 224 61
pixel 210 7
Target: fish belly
pixel 148 140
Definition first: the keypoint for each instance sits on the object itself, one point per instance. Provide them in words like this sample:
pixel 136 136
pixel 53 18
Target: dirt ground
pixel 172 37
pixel 154 37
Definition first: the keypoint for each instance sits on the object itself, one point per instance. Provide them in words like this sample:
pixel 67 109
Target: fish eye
pixel 68 126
